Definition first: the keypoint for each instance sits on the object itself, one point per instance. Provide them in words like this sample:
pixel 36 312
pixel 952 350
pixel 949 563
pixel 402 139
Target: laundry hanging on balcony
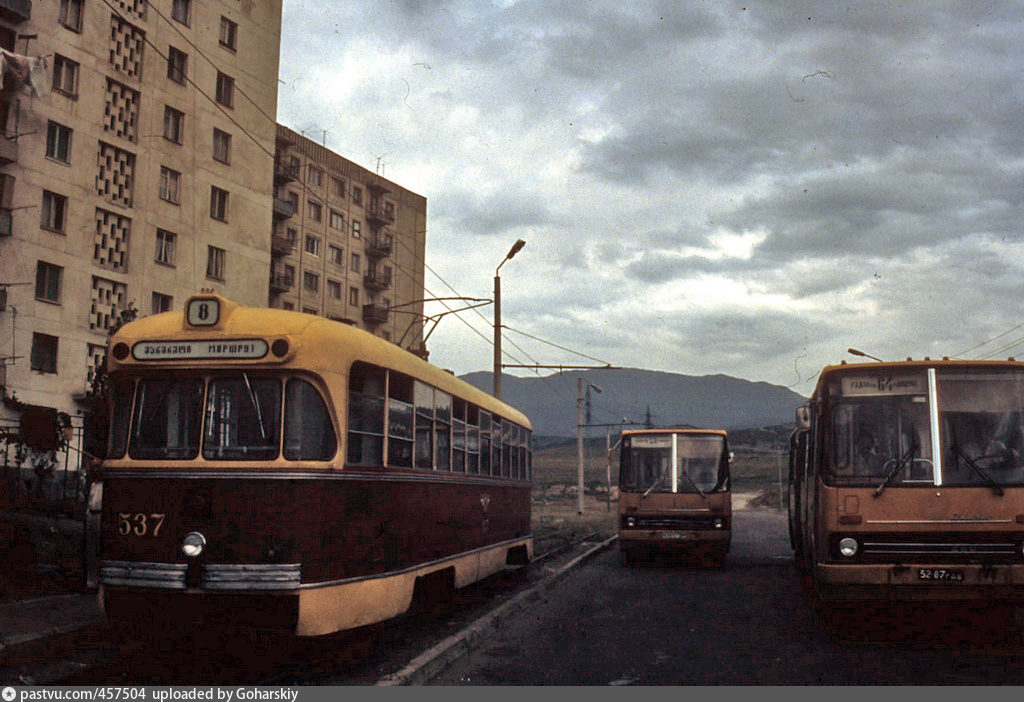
pixel 27 73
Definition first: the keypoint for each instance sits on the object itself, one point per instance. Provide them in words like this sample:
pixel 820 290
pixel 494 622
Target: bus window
pixel 458 435
pixel 442 430
pixel 699 462
pixel 400 420
pixel 121 411
pixel 168 414
pixel 877 436
pixel 472 439
pixel 424 401
pixel 365 415
pixel 485 443
pixel 242 419
pixel 647 463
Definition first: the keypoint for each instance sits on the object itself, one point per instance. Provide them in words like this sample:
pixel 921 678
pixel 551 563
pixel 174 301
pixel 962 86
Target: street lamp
pixel 516 247
pixel 579 438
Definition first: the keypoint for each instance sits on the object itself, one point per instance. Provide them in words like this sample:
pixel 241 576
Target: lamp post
pixel 579 439
pixel 516 247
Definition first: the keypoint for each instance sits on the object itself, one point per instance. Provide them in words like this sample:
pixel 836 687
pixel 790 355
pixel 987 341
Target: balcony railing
pixel 374 314
pixel 379 212
pixel 283 209
pixel 379 244
pixel 281 245
pixel 377 280
pixel 285 172
pixel 281 282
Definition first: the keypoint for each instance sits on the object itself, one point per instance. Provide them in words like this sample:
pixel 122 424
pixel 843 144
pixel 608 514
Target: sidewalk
pixel 25 621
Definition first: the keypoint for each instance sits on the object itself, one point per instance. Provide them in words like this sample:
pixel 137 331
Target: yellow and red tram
pixel 287 472
pixel 674 492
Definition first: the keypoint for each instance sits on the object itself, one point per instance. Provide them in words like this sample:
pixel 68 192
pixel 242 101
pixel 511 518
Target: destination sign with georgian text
pixel 198 350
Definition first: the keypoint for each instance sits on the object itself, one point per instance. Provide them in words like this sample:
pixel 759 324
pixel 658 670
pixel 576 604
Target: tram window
pixel 120 416
pixel 529 455
pixel 458 435
pixel 472 439
pixel 442 430
pixel 400 420
pixel 167 419
pixel 506 448
pixel 496 443
pixel 243 419
pixel 424 400
pixel 485 443
pixel 366 415
pixel 308 429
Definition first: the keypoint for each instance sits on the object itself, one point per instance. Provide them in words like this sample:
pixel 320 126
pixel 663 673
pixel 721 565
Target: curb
pixel 424 666
pixel 53 603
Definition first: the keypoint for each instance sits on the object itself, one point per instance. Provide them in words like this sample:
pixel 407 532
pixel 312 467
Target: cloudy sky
pixel 745 188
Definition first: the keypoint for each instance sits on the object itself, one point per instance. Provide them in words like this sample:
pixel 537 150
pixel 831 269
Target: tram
pixel 284 472
pixel 906 482
pixel 674 492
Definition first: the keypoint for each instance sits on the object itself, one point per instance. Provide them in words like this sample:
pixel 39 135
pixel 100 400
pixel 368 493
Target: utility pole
pixel 579 438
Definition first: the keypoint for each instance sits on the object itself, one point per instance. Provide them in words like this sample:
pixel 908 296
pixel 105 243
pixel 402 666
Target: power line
pixel 998 336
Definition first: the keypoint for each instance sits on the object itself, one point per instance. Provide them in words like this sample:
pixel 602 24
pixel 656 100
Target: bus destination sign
pixel 200 350
pixel 861 386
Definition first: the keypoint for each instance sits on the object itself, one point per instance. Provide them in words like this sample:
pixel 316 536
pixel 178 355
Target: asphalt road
pixel 674 622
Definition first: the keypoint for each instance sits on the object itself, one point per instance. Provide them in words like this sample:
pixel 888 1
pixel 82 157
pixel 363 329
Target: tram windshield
pixel 700 465
pixel 225 417
pixel 881 427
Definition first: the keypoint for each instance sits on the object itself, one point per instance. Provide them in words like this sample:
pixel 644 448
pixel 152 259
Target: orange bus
pixel 674 492
pixel 285 472
pixel 907 482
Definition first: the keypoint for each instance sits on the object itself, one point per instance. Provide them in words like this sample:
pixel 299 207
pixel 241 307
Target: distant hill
pixel 710 401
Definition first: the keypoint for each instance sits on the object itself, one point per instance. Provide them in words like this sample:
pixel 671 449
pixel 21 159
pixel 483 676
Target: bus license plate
pixel 677 535
pixel 940 575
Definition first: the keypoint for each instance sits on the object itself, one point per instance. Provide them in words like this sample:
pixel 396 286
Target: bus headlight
pixel 848 547
pixel 193 544
pixel 630 522
pixel 719 523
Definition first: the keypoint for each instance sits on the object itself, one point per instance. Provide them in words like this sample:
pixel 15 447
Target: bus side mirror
pixel 803 417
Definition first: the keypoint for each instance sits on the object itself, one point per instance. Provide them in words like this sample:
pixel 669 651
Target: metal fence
pixel 46 482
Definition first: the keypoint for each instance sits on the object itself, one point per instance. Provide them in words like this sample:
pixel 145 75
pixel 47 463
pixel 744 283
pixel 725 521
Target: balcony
pixel 379 245
pixel 285 172
pixel 283 209
pixel 374 314
pixel 281 282
pixel 376 280
pixel 281 245
pixel 378 213
pixel 16 10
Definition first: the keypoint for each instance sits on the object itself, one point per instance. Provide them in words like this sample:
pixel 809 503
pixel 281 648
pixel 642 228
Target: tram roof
pixel 674 430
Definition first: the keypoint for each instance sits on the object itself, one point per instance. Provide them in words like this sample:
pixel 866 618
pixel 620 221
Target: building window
pixel 335 255
pixel 315 211
pixel 357 229
pixel 309 310
pixel 334 289
pixel 228 33
pixel 44 353
pixel 225 89
pixel 174 124
pixel 165 246
pixel 170 185
pixel 65 75
pixel 357 195
pixel 310 281
pixel 339 187
pixel 71 14
pixel 181 10
pixel 337 220
pixel 162 303
pixel 221 146
pixel 48 279
pixel 58 142
pixel 353 296
pixel 218 203
pixel 54 211
pixel 354 265
pixel 215 263
pixel 312 245
pixel 316 176
pixel 177 65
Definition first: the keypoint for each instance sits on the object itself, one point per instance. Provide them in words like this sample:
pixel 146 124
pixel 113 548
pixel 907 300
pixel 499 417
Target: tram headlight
pixel 719 523
pixel 630 522
pixel 193 544
pixel 848 547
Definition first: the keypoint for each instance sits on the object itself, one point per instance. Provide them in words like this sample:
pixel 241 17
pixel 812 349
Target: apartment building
pixel 346 243
pixel 136 169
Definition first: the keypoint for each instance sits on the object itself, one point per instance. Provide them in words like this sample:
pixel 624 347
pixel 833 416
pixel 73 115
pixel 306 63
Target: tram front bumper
pixel 920 581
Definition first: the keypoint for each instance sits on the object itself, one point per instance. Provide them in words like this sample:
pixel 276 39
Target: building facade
pixel 136 169
pixel 346 243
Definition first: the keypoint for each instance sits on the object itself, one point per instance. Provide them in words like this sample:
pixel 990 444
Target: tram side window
pixel 308 430
pixel 458 435
pixel 120 416
pixel 506 448
pixel 496 441
pixel 472 439
pixel 442 430
pixel 400 420
pixel 168 415
pixel 366 415
pixel 424 400
pixel 242 419
pixel 529 454
pixel 485 443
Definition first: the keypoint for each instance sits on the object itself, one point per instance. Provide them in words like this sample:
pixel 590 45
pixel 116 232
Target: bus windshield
pixel 647 463
pixel 882 429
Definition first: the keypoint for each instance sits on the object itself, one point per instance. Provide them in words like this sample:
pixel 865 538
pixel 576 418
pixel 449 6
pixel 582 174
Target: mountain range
pixel 631 394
